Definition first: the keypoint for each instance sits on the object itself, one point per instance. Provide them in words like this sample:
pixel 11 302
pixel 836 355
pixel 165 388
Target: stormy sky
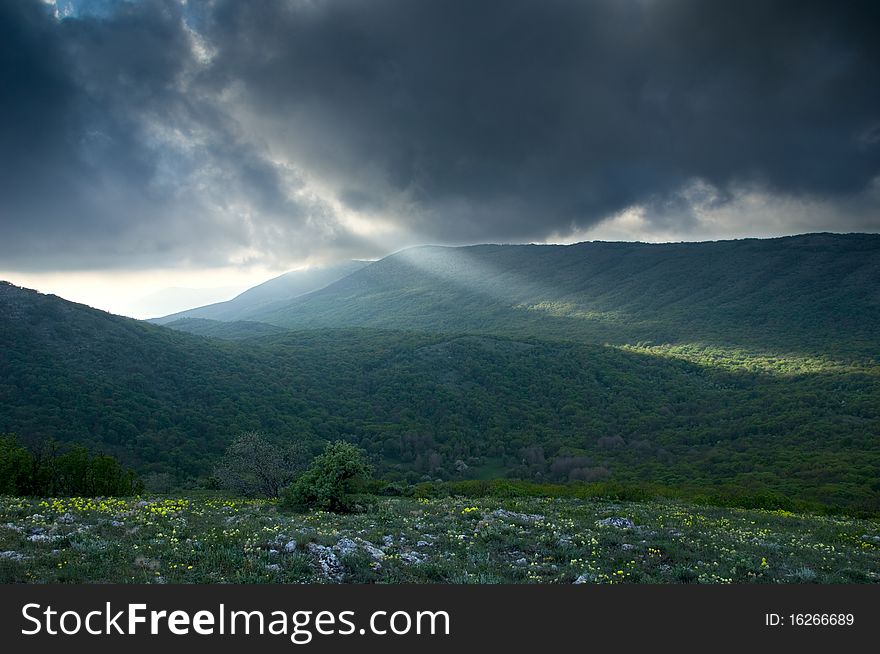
pixel 216 143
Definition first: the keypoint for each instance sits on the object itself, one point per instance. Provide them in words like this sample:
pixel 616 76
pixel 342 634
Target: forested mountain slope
pixel 230 330
pixel 816 294
pixel 437 406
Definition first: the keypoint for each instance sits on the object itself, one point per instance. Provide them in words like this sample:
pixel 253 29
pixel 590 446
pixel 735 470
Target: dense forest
pixel 50 470
pixel 457 401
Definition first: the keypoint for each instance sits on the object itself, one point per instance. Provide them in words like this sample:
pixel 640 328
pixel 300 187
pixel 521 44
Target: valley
pixel 673 367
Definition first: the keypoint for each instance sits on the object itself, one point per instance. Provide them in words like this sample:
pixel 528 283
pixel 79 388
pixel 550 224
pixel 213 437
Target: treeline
pixel 47 470
pixel 723 495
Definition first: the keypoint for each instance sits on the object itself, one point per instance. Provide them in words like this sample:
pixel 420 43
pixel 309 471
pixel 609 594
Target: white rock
pixel 519 517
pixel 375 553
pixel 345 547
pixel 330 565
pixel 413 558
pixel 620 523
pixel 11 555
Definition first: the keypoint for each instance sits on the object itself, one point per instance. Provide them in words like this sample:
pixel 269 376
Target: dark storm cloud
pixel 113 157
pixel 508 119
pixel 185 133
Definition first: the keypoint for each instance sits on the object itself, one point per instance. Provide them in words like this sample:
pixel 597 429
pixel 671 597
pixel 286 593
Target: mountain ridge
pixel 266 296
pixel 799 290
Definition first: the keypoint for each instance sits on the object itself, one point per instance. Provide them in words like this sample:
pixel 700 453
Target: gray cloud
pixel 155 133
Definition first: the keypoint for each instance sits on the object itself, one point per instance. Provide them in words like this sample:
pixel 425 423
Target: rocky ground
pixel 408 540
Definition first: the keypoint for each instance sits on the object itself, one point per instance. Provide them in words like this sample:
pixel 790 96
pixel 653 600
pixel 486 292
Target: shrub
pixel 331 482
pixel 253 466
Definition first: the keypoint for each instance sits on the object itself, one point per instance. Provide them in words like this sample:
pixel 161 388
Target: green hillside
pixel 816 294
pixel 429 406
pixel 232 330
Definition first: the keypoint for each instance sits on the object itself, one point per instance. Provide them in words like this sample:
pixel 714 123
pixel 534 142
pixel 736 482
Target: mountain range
pixel 816 293
pixel 748 364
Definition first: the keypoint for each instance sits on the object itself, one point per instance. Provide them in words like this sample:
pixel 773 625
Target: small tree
pixel 254 466
pixel 15 466
pixel 331 481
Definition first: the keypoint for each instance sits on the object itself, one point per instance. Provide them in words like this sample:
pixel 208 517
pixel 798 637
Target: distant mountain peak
pixel 266 297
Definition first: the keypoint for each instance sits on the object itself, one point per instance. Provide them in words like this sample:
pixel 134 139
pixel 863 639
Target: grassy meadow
pixel 217 539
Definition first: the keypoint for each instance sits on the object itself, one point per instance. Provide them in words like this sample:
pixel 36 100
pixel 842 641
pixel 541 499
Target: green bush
pixel 331 482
